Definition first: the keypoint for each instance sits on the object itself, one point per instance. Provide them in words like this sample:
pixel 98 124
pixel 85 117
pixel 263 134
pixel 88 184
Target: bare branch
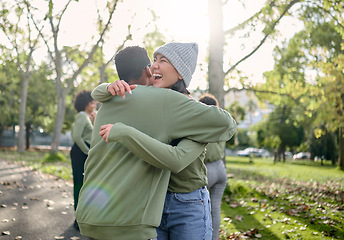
pixel 255 90
pixel 60 17
pixel 243 24
pixel 41 34
pixel 292 3
pixel 93 50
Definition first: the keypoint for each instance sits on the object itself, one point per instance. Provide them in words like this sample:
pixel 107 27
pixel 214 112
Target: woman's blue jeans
pixel 186 216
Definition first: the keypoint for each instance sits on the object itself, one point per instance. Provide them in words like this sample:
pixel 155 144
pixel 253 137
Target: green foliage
pixel 240 189
pixel 9 80
pixel 237 111
pixel 153 39
pixel 323 145
pixel 280 130
pixel 243 138
pixel 54 157
pixel 41 107
pixel 307 76
pixel 59 171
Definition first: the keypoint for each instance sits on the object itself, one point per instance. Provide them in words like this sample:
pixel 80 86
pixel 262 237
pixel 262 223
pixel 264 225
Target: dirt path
pixel 35 206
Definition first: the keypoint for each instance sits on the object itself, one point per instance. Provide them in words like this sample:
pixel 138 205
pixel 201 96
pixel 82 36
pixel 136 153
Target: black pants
pixel 78 163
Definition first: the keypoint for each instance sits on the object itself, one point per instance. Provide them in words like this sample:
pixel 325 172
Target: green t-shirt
pixel 215 151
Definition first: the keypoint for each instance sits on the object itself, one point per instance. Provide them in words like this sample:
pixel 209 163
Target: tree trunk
pixel 61 110
pixel 341 148
pixel 28 130
pixel 22 112
pixel 102 74
pixel 216 45
pixel 61 90
pixel 1 132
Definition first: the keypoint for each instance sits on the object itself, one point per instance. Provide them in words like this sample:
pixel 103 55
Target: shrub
pixel 54 157
pixel 240 189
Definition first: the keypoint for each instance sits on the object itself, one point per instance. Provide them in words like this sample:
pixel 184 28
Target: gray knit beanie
pixel 183 57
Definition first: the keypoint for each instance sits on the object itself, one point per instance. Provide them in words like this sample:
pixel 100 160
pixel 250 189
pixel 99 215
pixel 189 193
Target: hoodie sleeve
pixel 100 93
pixel 197 121
pixel 154 152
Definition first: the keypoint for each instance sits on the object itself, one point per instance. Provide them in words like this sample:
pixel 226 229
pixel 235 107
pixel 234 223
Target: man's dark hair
pixel 209 99
pixel 81 100
pixel 130 62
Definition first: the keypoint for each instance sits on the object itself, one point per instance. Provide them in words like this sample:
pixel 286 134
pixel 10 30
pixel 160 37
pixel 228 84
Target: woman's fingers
pixel 105 130
pixel 120 87
pixel 124 87
pixel 113 89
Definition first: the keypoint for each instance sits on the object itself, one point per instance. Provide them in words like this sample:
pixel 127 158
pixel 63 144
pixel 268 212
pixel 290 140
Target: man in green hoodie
pixel 123 196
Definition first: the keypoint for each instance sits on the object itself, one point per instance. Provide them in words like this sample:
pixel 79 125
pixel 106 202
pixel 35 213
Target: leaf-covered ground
pixel 282 201
pixel 292 200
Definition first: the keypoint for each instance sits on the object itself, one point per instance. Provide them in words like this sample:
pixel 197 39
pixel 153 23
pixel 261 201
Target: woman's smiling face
pixel 164 74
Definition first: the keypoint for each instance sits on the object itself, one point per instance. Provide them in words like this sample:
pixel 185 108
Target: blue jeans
pixel 186 216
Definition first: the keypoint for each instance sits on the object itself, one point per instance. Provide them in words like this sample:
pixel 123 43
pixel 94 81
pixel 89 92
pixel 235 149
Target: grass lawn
pixel 38 160
pixel 292 200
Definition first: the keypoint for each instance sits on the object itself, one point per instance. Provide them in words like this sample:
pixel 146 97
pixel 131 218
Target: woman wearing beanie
pixel 186 214
pixel 216 172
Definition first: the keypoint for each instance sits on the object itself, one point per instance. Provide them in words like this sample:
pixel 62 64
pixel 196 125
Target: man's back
pixel 123 195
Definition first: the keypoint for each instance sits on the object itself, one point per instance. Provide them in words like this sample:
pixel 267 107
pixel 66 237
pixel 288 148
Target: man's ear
pixel 148 72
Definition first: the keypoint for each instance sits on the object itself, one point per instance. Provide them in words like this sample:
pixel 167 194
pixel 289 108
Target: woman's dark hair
pixel 209 99
pixel 81 100
pixel 180 86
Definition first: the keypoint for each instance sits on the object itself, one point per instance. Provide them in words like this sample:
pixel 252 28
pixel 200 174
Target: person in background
pixel 216 172
pixel 81 135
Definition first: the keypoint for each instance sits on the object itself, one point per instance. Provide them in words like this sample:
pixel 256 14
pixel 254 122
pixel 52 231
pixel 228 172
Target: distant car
pixel 263 153
pixel 302 155
pixel 288 155
pixel 247 152
pixel 255 152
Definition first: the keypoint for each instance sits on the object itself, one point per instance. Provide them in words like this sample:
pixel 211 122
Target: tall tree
pixel 330 100
pixel 312 13
pixel 24 43
pixel 40 107
pixel 308 72
pixel 269 16
pixel 9 80
pixel 216 46
pixel 64 81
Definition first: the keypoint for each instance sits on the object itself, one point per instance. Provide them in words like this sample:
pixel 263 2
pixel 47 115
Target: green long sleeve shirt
pixel 82 131
pixel 185 161
pixel 193 176
pixel 123 196
pixel 156 153
pixel 215 151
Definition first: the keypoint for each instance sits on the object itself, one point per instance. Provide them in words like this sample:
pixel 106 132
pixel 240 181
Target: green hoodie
pixel 123 196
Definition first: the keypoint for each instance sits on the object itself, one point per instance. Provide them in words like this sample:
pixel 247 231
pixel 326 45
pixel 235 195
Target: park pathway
pixel 35 206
